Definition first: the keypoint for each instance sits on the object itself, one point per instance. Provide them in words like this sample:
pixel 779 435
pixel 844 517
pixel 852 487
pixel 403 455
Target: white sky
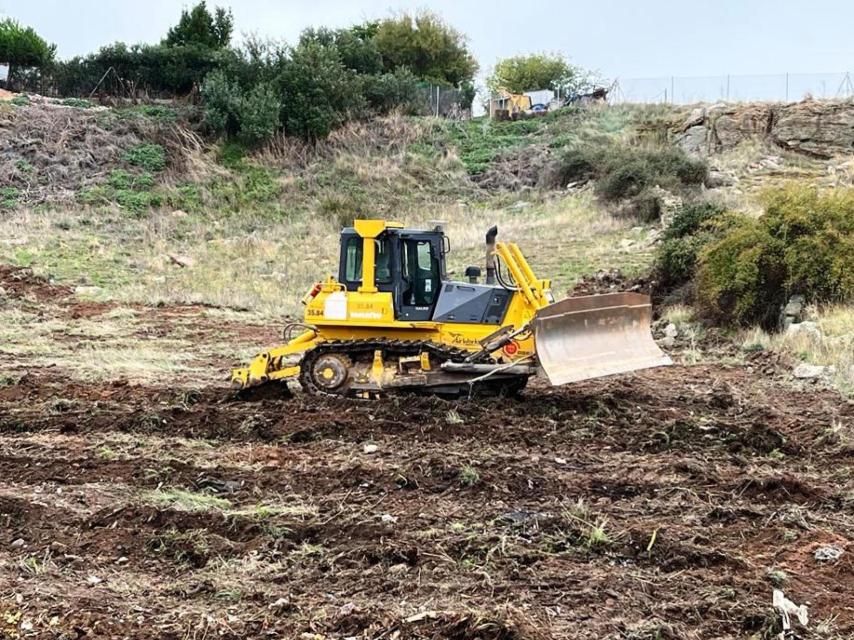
pixel 618 38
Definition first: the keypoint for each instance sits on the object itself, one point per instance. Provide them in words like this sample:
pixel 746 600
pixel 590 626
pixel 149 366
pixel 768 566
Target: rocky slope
pixel 817 129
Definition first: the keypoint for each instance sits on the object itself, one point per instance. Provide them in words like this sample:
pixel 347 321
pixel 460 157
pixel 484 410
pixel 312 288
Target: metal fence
pixel 443 102
pixel 784 87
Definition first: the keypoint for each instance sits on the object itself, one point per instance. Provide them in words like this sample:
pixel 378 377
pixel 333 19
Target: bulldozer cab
pixel 410 264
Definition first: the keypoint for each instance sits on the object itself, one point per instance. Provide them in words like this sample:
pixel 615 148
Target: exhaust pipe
pixel 490 254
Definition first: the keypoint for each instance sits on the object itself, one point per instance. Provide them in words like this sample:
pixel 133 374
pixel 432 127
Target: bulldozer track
pixel 395 348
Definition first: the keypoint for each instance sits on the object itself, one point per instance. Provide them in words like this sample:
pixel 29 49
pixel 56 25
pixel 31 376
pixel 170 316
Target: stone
pixel 181 261
pixel 806 371
pixel 806 327
pixel 695 118
pixel 667 341
pixel 370 448
pixel 795 305
pixel 694 140
pixel 18 543
pixel 718 178
pixel 828 553
pixel 671 331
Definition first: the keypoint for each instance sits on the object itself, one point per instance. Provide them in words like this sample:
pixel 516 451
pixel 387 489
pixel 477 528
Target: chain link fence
pixel 444 102
pixel 784 87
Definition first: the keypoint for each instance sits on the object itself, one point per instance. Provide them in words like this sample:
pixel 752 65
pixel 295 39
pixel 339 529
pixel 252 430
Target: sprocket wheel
pixel 330 372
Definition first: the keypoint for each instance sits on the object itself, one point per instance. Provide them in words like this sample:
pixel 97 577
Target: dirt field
pixel 660 505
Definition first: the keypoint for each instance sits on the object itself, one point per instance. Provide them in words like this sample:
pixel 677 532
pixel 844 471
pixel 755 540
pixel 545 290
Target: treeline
pixel 256 89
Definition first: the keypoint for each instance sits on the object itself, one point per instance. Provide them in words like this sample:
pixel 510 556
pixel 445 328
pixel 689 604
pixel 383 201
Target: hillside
pixel 140 260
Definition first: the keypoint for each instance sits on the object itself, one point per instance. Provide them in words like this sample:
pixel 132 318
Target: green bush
pixel 250 115
pixel 693 227
pixel 625 172
pixel 9 197
pixel 147 156
pixel 803 243
pixel 691 218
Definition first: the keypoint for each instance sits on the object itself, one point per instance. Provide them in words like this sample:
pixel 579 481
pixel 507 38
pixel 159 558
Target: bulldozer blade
pixel 594 336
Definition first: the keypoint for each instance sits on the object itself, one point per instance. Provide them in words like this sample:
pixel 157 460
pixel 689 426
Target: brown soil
pixel 660 505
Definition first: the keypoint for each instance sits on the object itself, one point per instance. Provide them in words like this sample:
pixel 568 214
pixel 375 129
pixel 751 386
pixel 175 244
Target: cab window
pixel 353 260
pixel 421 273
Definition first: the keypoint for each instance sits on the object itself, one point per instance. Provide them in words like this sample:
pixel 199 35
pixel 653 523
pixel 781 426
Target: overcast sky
pixel 618 38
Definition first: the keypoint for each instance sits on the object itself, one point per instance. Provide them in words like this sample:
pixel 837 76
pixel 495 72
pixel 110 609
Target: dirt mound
pixel 21 282
pixel 609 281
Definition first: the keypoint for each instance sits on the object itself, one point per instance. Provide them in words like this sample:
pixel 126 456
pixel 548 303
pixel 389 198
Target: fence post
pixel 672 91
pixel 727 88
pixel 787 86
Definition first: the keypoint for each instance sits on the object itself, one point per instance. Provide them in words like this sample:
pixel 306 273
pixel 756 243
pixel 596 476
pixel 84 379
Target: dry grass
pixel 831 346
pixel 267 265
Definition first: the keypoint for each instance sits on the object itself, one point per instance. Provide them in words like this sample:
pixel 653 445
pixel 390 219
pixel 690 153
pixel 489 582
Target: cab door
pixel 420 276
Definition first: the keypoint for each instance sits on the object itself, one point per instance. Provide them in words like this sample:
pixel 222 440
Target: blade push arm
pixel 537 292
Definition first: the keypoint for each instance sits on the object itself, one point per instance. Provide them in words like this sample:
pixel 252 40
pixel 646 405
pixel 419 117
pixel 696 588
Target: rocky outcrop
pixel 819 129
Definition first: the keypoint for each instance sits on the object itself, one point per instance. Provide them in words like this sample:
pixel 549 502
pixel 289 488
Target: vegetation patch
pixel 745 269
pixel 184 500
pixel 622 171
pixel 147 156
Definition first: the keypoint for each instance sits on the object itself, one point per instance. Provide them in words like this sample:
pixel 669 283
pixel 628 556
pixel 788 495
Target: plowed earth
pixel 665 504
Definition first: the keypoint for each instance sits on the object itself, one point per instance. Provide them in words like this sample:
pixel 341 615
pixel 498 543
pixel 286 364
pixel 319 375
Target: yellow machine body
pixel 336 315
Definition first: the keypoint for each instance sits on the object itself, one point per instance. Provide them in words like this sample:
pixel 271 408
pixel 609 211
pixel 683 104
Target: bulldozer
pixel 393 320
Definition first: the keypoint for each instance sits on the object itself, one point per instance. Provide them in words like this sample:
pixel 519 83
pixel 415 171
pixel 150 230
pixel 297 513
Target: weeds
pixel 452 417
pixel 184 500
pixel 469 476
pixel 147 156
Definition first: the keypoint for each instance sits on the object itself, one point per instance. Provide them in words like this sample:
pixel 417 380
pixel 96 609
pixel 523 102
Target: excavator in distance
pixel 394 321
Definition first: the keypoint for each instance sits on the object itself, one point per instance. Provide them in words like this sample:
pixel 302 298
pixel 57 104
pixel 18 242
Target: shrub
pixel 691 218
pixel 250 115
pixel 148 156
pixel 389 91
pixel 625 172
pixel 741 277
pixel 803 243
pixel 693 227
pixel 318 92
pixel 575 164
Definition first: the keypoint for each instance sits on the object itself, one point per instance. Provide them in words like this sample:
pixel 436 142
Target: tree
pixel 318 93
pixel 199 27
pixel 250 114
pixel 355 48
pixel 536 71
pixel 433 50
pixel 22 47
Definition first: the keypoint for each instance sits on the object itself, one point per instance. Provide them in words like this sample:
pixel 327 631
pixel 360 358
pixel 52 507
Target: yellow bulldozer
pixel 393 320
